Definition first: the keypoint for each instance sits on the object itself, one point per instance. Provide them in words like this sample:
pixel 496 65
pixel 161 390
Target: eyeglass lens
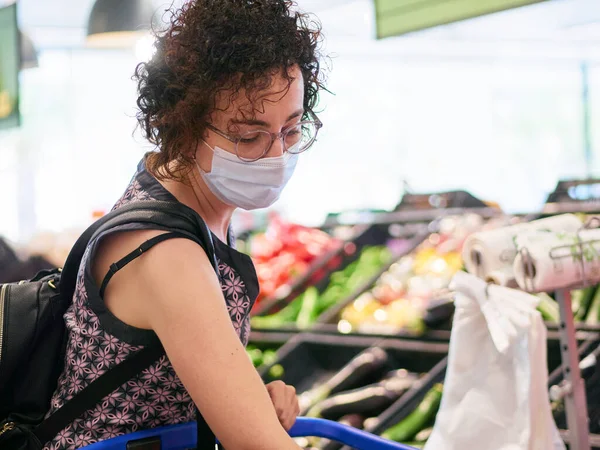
pixel 255 144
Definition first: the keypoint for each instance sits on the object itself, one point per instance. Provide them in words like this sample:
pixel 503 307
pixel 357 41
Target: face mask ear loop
pixel 196 157
pixel 206 143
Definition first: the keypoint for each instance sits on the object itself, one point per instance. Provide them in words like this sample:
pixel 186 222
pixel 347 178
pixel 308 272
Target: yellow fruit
pixel 360 309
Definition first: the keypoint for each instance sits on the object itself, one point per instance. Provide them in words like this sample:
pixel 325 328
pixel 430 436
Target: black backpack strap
pixel 174 216
pixel 170 215
pixel 96 391
pixel 144 247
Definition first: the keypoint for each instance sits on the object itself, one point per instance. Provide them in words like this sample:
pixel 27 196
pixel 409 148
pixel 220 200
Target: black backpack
pixel 33 333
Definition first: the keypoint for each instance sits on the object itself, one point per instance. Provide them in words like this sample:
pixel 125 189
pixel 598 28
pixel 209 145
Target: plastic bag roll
pixel 547 261
pixel 495 250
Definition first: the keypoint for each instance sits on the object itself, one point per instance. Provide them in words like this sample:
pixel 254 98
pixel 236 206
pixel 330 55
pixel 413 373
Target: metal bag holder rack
pixel 573 384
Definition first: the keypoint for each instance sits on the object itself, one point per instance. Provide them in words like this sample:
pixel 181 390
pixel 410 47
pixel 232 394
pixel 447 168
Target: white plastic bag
pixel 496 386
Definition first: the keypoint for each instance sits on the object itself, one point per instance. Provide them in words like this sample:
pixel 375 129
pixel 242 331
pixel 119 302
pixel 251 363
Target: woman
pixel 227 99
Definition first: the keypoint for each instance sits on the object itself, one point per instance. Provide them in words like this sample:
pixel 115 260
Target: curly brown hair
pixel 211 46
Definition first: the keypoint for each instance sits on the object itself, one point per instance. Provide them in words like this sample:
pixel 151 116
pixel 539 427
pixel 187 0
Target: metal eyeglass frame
pixel 274 136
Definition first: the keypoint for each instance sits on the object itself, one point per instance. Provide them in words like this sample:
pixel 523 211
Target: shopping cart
pixel 181 437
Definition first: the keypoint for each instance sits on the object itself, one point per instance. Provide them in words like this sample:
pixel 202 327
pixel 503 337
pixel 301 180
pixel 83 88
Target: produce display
pixel 265 357
pixel 411 295
pixel 364 388
pixel 401 297
pixel 259 356
pixel 415 429
pixel 284 252
pixel 585 304
pixel 304 310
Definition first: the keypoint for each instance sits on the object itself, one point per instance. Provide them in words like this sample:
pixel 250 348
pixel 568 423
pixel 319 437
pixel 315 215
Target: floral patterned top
pixel 97 341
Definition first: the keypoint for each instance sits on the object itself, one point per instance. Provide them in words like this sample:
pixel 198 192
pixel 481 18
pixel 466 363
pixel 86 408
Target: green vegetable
pixel 407 429
pixel 287 315
pixel 269 357
pixel 276 371
pixel 548 308
pixel 581 300
pixel 344 283
pixel 305 309
pixel 593 316
pixel 256 356
pixel 309 310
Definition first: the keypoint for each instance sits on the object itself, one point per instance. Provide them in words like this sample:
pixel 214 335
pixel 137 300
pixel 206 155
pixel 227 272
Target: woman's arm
pixel 177 294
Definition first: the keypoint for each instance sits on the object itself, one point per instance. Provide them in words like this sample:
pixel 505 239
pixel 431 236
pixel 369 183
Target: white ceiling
pixel 570 28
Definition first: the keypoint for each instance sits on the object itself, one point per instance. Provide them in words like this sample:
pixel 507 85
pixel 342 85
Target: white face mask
pixel 248 185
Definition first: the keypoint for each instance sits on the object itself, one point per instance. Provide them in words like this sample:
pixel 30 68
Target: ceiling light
pixel 119 23
pixel 29 58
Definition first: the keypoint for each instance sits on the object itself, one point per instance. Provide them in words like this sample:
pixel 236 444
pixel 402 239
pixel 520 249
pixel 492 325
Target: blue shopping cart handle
pixel 344 434
pixel 180 437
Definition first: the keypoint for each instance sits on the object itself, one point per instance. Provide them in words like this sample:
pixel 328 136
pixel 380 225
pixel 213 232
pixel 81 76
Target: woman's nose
pixel 277 148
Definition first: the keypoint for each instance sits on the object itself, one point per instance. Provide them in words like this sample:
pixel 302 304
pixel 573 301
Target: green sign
pixel 396 17
pixel 9 67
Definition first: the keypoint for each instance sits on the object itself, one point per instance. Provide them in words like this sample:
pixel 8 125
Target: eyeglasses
pixel 253 145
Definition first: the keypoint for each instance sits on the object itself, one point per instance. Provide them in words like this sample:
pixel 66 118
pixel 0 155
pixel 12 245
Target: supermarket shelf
pixel 405 406
pixel 310 358
pixel 274 337
pixel 573 208
pixel 436 200
pixel 430 335
pixel 407 216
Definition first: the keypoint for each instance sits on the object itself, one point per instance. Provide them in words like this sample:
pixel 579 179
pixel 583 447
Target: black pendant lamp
pixel 118 23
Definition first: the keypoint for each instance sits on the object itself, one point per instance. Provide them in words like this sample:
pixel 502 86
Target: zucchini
pixel 353 420
pixel 408 428
pixel 367 401
pixel 593 314
pixel 366 365
pixel 548 308
pixel 581 300
pixel 309 310
pixel 363 368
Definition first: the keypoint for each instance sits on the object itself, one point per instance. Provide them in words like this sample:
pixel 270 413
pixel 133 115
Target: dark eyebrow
pixel 295 114
pixel 262 123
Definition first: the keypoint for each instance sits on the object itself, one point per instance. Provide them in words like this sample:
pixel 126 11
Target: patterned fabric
pixel 156 397
pixel 133 192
